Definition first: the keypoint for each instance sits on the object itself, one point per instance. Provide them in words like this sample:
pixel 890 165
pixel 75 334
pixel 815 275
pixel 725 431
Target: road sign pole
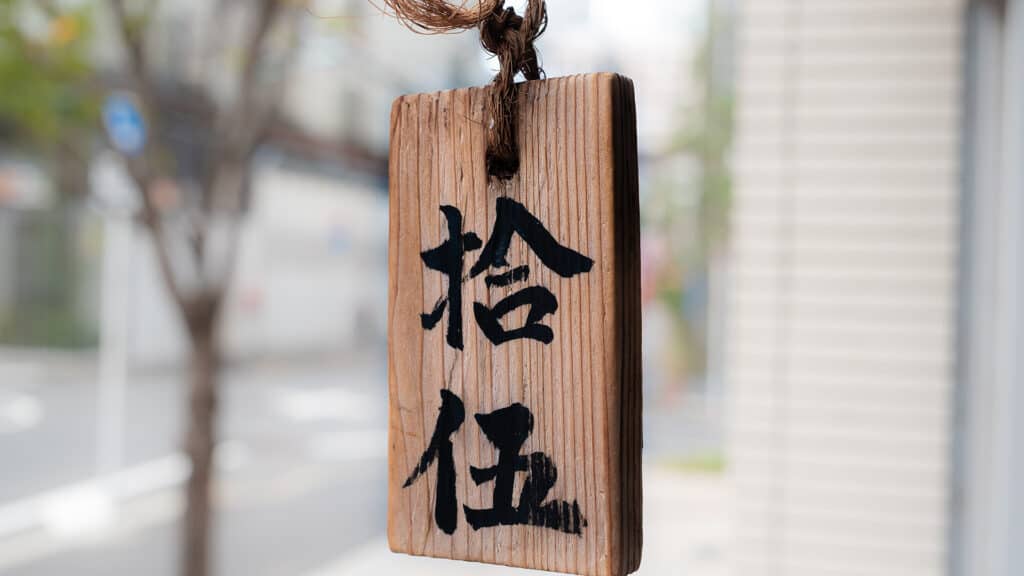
pixel 113 368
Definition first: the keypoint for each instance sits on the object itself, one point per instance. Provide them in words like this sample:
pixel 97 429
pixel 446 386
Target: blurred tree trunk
pixel 192 209
pixel 204 227
pixel 200 436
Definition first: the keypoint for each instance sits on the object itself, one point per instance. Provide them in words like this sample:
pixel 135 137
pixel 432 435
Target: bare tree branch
pixel 214 38
pixel 153 220
pixel 243 127
pixel 132 39
pixel 132 32
pixel 237 130
pixel 240 127
pixel 238 118
pixel 142 168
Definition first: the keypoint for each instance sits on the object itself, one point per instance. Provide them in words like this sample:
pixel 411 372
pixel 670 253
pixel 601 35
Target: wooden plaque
pixel 514 331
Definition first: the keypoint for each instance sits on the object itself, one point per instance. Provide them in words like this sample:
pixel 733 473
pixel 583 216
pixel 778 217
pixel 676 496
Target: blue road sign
pixel 124 124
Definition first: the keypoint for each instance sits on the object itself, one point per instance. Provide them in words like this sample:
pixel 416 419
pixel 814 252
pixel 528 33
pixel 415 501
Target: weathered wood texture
pixel 579 178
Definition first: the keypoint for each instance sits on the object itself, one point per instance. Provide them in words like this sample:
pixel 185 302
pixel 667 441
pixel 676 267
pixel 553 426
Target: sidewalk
pixel 685 533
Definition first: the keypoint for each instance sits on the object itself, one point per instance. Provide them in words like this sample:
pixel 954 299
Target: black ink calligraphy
pixel 449 259
pixel 513 219
pixel 507 429
pixel 450 419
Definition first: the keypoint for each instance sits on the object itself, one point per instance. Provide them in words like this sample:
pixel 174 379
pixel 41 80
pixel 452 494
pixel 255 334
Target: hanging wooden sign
pixel 514 330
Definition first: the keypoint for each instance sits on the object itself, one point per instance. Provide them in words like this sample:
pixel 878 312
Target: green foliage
pixel 707 137
pixel 44 309
pixel 689 199
pixel 49 108
pixel 710 464
pixel 46 77
pixel 45 327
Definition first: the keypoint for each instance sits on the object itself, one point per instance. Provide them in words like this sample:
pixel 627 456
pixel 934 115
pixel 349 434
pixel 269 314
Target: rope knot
pixel 495 30
pixel 504 35
pixel 508 36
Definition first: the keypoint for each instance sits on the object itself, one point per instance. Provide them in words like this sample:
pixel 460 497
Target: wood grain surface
pixel 578 176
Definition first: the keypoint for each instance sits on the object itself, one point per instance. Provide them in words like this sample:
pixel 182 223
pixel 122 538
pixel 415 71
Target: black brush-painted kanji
pixel 507 429
pixel 512 219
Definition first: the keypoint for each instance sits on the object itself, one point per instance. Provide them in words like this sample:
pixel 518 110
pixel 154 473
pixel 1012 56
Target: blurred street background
pixel 833 256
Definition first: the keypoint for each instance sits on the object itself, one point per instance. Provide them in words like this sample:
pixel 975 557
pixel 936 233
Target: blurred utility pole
pixel 114 314
pixel 127 133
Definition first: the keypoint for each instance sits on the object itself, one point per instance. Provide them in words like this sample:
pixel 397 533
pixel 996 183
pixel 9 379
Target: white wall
pixel 354 60
pixel 310 269
pixel 652 41
pixel 313 265
pixel 840 341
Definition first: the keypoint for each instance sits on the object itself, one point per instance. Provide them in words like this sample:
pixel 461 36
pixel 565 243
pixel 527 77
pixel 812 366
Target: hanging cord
pixel 503 33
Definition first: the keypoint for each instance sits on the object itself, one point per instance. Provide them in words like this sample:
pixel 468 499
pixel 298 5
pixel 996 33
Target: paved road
pixel 302 470
pixel 686 533
pixel 302 483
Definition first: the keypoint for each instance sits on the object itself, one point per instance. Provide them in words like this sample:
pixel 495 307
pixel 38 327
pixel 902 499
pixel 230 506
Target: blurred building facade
pixel 873 352
pixel 308 259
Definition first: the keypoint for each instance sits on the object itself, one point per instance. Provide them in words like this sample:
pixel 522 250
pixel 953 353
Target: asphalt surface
pixel 302 471
pixel 301 486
